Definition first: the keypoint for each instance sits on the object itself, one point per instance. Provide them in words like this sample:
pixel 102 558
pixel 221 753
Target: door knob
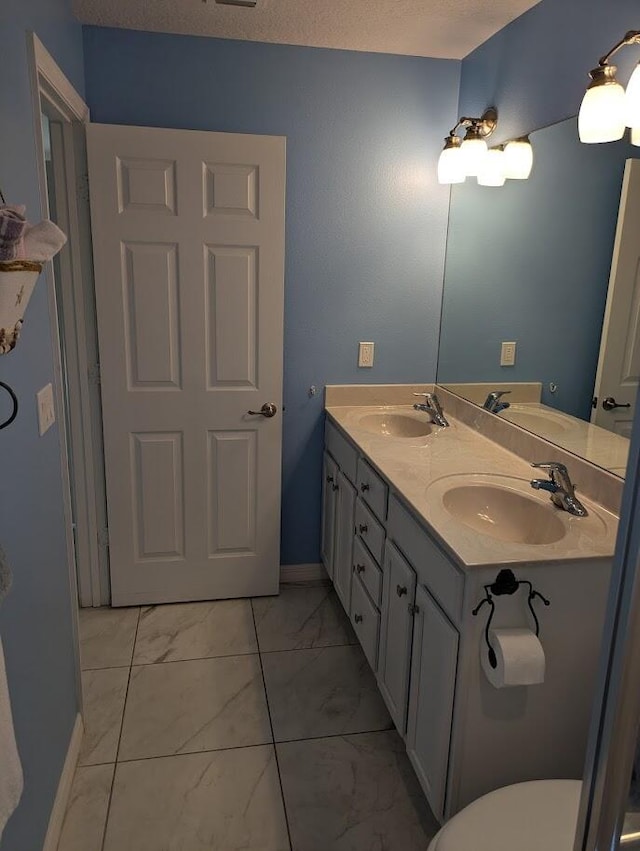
pixel 609 404
pixel 267 410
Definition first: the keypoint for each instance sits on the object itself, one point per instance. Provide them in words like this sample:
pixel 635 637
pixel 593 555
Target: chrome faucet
pixel 493 404
pixel 432 406
pixel 560 487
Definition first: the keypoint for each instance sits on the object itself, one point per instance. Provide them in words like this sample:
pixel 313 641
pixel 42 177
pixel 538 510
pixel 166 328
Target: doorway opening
pixel 60 117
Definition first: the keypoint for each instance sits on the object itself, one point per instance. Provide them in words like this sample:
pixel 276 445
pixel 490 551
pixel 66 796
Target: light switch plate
pixel 46 409
pixel 508 354
pixel 365 354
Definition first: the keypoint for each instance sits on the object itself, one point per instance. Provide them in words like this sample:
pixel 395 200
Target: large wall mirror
pixel 551 264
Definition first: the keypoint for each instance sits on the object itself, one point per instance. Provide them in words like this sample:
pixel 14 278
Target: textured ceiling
pixel 447 29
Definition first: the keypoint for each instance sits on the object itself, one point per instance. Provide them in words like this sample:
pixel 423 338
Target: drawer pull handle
pixel 335 487
pixel 357 618
pixel 401 590
pixel 364 487
pixel 413 610
pixel 329 480
pixel 363 528
pixel 360 568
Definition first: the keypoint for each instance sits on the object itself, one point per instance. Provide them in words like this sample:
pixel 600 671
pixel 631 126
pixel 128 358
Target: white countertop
pixel 416 468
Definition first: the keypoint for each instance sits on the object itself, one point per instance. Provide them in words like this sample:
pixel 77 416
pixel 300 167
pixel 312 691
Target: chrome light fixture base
pixel 487 122
pixel 606 109
pixel 603 75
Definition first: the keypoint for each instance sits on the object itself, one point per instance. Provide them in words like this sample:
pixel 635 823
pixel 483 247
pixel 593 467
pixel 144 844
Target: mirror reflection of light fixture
pixel 518 159
pixel 606 109
pixel 632 100
pixel 492 171
pixel 461 159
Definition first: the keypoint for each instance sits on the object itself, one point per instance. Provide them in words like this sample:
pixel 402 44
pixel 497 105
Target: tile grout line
pixel 124 707
pixel 243 747
pixel 273 738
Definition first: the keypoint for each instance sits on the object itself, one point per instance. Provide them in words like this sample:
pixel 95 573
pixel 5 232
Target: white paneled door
pixel 618 372
pixel 188 235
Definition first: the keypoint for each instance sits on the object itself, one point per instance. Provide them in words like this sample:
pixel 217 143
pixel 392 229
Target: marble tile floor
pixel 237 724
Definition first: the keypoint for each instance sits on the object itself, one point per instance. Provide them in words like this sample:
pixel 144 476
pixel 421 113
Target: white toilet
pixel 540 815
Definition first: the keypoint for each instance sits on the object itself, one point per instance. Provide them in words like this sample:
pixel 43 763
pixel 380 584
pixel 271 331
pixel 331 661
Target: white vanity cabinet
pixel 398 610
pixel 339 507
pixel 411 605
pixel 329 500
pixel 343 538
pixel 434 663
pixel 377 555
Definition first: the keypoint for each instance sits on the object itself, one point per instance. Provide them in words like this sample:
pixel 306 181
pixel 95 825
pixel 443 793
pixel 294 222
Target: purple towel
pixel 12 227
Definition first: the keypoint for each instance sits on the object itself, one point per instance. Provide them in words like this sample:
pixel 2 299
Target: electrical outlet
pixel 46 409
pixel 365 354
pixel 508 354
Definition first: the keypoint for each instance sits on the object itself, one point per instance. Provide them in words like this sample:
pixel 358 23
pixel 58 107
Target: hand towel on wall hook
pixel 24 248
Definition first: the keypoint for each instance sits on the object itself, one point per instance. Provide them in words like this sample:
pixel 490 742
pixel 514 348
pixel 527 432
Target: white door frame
pixel 82 459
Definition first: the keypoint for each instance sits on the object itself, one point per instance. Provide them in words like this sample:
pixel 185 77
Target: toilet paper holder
pixel 506 584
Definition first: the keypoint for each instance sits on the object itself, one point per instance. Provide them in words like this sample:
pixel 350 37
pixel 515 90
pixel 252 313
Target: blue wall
pixel 35 620
pixel 530 262
pixel 536 69
pixel 366 220
pixel 535 72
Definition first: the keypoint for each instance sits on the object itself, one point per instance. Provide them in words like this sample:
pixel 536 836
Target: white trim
pixel 48 83
pixel 303 573
pixel 59 809
pixel 54 78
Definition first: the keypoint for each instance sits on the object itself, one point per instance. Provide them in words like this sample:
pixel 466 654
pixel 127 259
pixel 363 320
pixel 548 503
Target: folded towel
pixel 43 241
pixel 5 576
pixel 12 228
pixel 11 779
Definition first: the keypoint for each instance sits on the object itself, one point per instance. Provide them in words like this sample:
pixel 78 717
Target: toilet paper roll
pixel 519 656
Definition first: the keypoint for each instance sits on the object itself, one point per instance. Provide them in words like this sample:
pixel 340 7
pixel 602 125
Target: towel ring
pixel 14 399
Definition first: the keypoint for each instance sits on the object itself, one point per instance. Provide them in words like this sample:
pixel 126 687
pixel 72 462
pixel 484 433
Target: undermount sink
pixel 395 425
pixel 504 514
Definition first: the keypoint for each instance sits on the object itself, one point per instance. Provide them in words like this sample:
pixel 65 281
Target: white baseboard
pixel 303 573
pixel 64 787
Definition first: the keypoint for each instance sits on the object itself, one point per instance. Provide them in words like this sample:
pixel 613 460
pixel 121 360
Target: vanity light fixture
pixel 450 165
pixel 464 158
pixel 607 110
pixel 518 158
pixel 492 171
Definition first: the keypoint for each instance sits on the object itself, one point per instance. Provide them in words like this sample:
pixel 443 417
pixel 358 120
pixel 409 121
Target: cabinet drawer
pixel 366 621
pixel 434 569
pixel 345 454
pixel 371 532
pixel 367 571
pixel 372 489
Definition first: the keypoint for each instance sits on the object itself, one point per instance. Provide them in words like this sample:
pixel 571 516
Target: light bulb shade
pixel 450 165
pixel 635 136
pixel 518 159
pixel 492 171
pixel 632 100
pixel 474 152
pixel 602 114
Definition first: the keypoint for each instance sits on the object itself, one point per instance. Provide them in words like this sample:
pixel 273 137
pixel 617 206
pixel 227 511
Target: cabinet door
pixel 343 546
pixel 399 588
pixel 329 490
pixel 433 678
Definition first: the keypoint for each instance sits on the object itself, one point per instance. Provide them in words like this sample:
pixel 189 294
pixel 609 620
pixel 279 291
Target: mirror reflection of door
pixel 619 362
